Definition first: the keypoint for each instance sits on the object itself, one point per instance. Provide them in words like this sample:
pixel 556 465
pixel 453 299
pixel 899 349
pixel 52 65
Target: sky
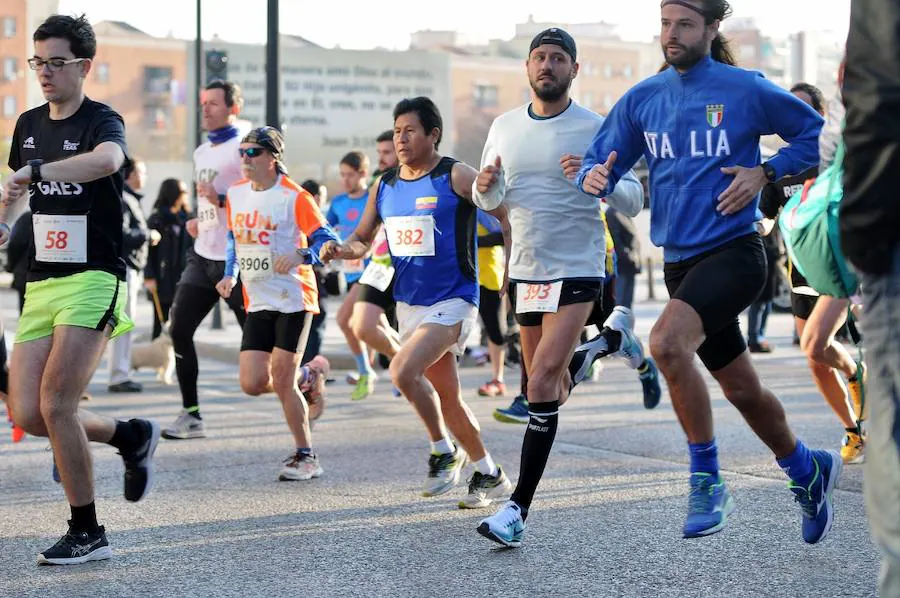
pixel 366 24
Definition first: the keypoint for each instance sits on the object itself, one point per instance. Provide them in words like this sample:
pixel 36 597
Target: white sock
pixel 442 447
pixel 486 466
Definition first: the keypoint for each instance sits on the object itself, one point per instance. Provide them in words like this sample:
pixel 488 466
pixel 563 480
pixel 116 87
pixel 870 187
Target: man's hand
pixel 208 192
pixel 225 286
pixel 747 184
pixel 16 185
pixel 571 164
pixel 155 237
pixel 4 234
pixel 597 179
pixel 284 264
pixel 334 251
pixel 488 176
pixel 192 227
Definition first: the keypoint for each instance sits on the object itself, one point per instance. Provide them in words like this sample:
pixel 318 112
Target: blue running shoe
pixel 506 526
pixel 516 413
pixel 709 505
pixel 650 384
pixel 815 500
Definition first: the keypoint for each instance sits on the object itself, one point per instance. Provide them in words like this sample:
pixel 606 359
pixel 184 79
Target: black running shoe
pixel 139 464
pixel 77 547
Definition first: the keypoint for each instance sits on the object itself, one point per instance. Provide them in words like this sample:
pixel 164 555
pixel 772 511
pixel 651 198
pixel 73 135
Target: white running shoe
pixel 630 349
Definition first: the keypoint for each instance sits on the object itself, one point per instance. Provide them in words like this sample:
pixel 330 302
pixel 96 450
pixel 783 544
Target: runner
pixel 529 154
pixel 491 306
pixel 344 215
pixel 375 307
pixel 217 166
pixel 698 124
pixel 271 223
pixel 427 211
pixel 67 157
pixel 818 319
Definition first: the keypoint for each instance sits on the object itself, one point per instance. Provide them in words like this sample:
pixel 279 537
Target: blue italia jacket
pixel 688 126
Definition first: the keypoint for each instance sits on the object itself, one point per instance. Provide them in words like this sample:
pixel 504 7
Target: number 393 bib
pixel 410 235
pixel 538 297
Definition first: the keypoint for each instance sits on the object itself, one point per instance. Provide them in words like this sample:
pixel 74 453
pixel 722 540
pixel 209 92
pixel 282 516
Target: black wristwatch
pixel 35 170
pixel 770 172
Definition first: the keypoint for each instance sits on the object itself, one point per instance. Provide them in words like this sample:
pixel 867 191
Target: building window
pixel 9 106
pixel 747 51
pixel 10 69
pixel 607 101
pixel 9 27
pixel 157 79
pixel 628 71
pixel 103 73
pixel 485 96
pixel 608 71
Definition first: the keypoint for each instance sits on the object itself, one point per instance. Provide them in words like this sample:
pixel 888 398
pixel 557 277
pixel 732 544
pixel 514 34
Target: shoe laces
pixel 438 463
pixel 701 494
pixel 508 515
pixel 476 481
pixel 805 500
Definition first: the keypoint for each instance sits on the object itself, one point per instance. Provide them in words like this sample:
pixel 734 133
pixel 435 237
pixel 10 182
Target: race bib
pixel 378 276
pixel 538 297
pixel 60 238
pixel 353 266
pixel 410 235
pixel 207 215
pixel 255 262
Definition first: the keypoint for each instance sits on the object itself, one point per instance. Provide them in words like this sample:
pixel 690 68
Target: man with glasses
pixel 67 157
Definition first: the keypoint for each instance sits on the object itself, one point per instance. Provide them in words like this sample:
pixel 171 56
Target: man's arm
pixel 628 195
pixel 462 176
pixel 793 120
pixel 360 240
pixel 106 159
pixel 618 134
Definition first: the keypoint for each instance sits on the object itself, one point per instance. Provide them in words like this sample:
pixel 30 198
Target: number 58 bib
pixel 60 238
pixel 410 235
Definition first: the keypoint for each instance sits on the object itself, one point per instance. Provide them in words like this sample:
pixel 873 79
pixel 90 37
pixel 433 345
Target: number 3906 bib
pixel 255 262
pixel 410 235
pixel 538 297
pixel 60 238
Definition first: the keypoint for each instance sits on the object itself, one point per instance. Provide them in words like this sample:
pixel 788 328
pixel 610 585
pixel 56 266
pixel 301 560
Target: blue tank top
pixel 431 233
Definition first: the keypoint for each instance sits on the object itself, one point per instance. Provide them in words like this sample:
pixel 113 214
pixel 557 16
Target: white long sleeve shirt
pixel 557 231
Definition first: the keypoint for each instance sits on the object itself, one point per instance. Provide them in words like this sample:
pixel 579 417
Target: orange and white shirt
pixel 266 224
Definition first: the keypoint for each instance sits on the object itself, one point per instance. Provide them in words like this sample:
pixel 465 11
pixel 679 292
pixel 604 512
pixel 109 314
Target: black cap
pixel 557 37
pixel 271 139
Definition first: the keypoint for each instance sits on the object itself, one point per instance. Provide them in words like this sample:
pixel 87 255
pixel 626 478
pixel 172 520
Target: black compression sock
pixel 536 446
pixel 84 519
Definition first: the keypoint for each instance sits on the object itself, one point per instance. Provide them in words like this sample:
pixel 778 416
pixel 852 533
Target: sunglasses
pixel 251 152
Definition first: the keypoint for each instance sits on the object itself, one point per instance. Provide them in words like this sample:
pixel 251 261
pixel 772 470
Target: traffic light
pixel 216 65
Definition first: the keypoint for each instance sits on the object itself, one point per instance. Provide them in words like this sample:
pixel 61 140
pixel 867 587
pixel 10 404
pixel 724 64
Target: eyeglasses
pixel 55 64
pixel 251 152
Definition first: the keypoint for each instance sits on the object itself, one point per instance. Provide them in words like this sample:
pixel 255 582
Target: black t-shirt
pixel 94 208
pixel 775 195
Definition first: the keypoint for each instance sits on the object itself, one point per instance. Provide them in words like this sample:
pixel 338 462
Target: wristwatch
pixel 35 170
pixel 306 254
pixel 770 172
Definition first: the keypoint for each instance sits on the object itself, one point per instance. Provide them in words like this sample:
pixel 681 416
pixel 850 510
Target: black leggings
pixel 191 306
pixel 491 309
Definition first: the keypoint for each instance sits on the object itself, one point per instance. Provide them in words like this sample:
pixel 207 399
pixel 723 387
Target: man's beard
pixel 552 93
pixel 689 56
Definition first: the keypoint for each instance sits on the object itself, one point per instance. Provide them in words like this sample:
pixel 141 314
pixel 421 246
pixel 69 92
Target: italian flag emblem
pixel 714 114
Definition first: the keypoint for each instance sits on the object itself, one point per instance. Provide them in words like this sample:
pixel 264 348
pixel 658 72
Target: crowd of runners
pixel 426 245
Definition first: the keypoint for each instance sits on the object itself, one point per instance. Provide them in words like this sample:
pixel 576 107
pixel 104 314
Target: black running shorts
pixel 720 284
